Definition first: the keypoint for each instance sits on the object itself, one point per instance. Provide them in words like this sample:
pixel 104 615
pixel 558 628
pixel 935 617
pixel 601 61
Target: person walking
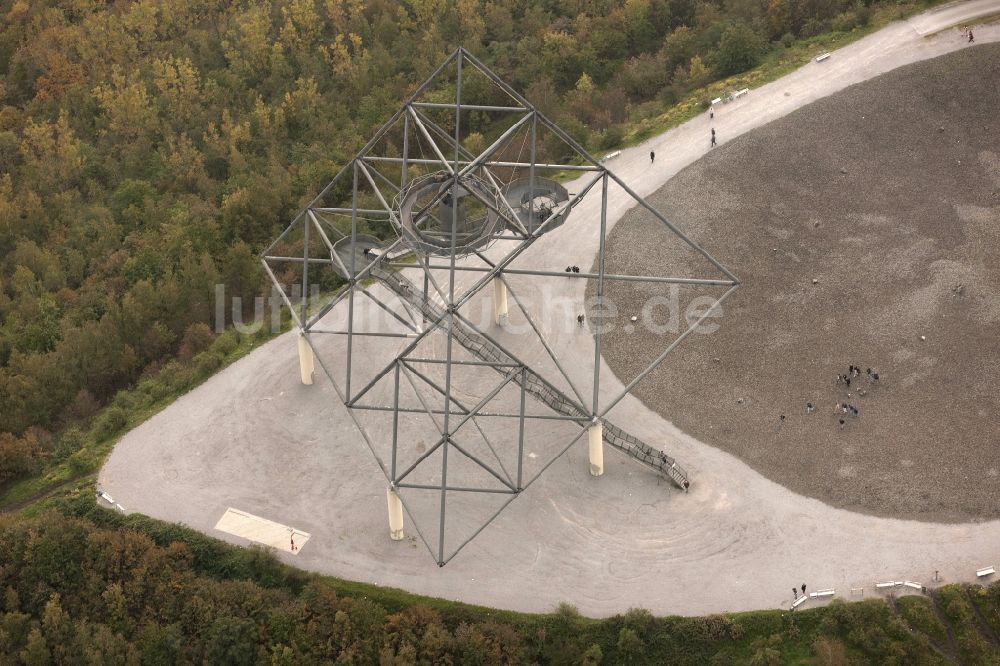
pixel 652 156
pixel 711 111
pixel 803 588
pixel 713 137
pixel 971 38
pixel 795 593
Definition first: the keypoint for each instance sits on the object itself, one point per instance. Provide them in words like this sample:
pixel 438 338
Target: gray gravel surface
pixel 887 194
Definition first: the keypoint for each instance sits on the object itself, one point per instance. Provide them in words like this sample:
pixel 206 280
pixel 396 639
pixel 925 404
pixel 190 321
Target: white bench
pixel 822 593
pixel 799 601
pixel 890 583
pixel 611 156
pixel 107 498
pixel 717 100
pixel 915 586
pixel 740 93
pixel 823 56
pixel 988 571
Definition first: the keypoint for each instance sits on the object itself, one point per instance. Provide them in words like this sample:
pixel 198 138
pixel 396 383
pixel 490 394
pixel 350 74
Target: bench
pixel 739 93
pixel 823 56
pixel 822 593
pixel 797 602
pixel 887 584
pixel 717 100
pixel 988 571
pixel 915 586
pixel 107 498
pixel 611 156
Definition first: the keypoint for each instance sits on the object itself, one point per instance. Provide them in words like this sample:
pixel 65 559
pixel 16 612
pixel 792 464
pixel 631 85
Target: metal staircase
pixel 534 384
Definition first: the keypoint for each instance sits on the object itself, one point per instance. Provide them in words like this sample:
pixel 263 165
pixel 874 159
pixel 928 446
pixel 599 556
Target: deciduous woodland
pixel 82 585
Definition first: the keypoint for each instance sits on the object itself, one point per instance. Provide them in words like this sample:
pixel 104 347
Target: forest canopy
pixel 83 585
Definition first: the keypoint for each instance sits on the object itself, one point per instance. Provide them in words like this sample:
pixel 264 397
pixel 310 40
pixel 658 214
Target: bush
pixel 845 22
pixel 110 422
pixel 17 456
pixel 787 40
pixel 208 362
pixel 813 27
pixel 612 137
pixel 132 401
pixel 739 49
pixel 226 343
pixel 68 443
pixel 630 646
pixel 197 337
pixel 864 14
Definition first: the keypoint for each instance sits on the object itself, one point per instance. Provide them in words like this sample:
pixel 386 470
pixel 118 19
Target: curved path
pixel 253 438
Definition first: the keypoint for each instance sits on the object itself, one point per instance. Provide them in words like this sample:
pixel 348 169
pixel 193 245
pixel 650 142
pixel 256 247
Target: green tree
pixel 739 50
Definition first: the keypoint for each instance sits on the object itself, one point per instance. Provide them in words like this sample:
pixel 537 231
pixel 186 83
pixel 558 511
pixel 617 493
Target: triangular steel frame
pixel 435 308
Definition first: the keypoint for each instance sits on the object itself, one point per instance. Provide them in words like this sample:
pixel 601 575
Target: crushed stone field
pixel 866 230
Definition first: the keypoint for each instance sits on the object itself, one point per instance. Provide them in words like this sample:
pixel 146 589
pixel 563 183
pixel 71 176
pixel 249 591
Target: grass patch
pixel 972 647
pixel 919 613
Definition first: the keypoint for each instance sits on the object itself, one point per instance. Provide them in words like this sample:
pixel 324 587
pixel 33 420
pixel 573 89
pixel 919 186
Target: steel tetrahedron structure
pixel 414 280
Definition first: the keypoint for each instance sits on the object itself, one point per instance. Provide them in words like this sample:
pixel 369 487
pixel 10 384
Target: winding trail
pixel 253 438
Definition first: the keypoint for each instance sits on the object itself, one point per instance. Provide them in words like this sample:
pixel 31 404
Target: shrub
pixel 226 343
pixel 68 443
pixel 630 646
pixel 739 49
pixel 845 22
pixel 110 422
pixel 612 137
pixel 863 13
pixel 197 337
pixel 813 27
pixel 17 456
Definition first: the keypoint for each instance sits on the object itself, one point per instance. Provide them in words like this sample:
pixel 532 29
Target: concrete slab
pixel 262 531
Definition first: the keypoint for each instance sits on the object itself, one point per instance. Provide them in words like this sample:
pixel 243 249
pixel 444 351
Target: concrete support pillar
pixel 595 435
pixel 307 364
pixel 395 515
pixel 499 302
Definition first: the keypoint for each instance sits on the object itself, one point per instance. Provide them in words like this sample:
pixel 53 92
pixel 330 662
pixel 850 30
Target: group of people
pixel 845 408
pixel 842 408
pixel 853 372
pixel 572 269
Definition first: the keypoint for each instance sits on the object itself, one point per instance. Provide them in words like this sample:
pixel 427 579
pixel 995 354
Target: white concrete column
pixel 307 364
pixel 395 515
pixel 595 434
pixel 499 302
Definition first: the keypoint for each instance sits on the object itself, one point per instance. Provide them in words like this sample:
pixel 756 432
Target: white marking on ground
pixel 261 530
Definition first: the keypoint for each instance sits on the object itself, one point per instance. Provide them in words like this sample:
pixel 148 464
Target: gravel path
pixel 887 194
